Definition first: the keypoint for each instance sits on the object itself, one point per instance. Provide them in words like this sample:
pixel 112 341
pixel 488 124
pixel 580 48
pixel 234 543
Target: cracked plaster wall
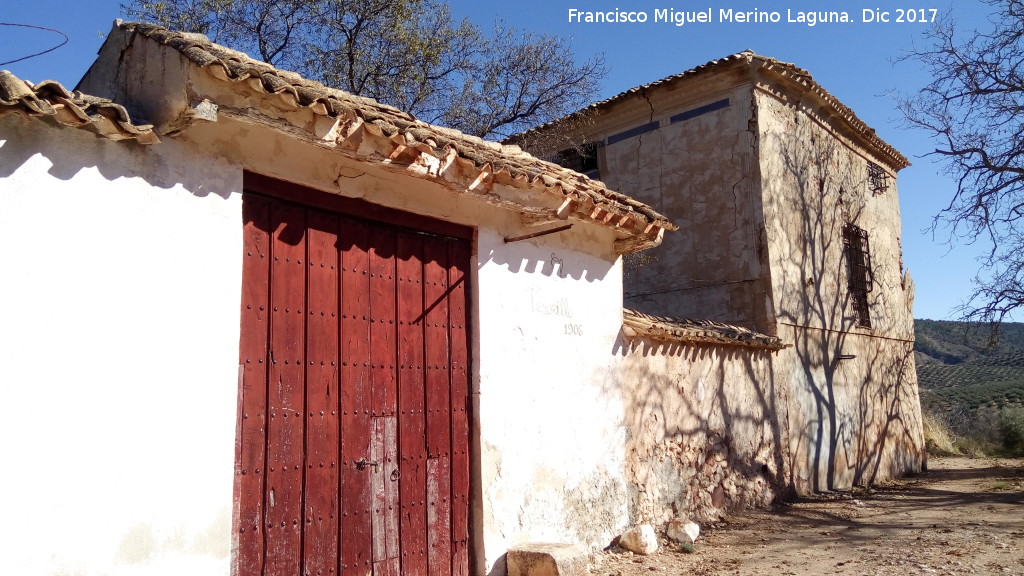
pixel 760 190
pixel 703 174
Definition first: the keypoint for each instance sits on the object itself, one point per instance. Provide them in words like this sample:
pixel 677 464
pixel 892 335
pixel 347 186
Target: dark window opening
pixel 582 159
pixel 878 180
pixel 861 280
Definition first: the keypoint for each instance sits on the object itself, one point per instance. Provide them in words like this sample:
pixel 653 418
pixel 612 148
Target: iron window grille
pixel 861 279
pixel 878 180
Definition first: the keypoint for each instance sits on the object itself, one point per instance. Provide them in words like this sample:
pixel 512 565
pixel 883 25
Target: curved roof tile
pixel 49 99
pixel 593 200
pixel 691 331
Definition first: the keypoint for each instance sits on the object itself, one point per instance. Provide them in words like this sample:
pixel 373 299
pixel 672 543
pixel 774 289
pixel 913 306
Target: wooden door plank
pixel 320 539
pixel 384 369
pixel 385 496
pixel 251 434
pixel 435 330
pixel 412 441
pixel 436 346
pixel 356 528
pixel 383 323
pixel 439 535
pixel 285 437
pixel 458 277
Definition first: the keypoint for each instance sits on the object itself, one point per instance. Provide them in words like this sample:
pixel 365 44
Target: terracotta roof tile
pixel 51 100
pixel 587 198
pixel 794 73
pixel 696 331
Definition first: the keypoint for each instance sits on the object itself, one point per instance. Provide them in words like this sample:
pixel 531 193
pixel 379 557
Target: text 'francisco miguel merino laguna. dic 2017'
pixel 730 15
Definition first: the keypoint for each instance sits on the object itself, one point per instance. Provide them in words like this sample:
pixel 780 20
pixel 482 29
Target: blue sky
pixel 853 61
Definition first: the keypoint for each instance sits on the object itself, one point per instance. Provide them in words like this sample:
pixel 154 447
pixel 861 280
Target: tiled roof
pixel 52 101
pixel 690 331
pixel 784 69
pixel 403 135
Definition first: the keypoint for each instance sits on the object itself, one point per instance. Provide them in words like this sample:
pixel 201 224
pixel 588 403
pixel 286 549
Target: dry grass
pixel 938 438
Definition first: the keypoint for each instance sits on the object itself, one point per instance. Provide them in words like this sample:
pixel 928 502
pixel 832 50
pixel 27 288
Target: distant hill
pixel 966 342
pixel 959 366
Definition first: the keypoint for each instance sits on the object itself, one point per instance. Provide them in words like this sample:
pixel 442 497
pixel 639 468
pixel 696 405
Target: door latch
pixel 362 463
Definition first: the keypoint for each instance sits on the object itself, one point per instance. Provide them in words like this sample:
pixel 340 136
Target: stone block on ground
pixel 547 559
pixel 683 531
pixel 640 539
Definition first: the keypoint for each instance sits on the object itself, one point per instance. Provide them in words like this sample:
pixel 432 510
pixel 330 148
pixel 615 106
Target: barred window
pixel 582 159
pixel 878 180
pixel 861 280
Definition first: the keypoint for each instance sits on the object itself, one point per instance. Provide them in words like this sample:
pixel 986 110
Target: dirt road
pixel 963 516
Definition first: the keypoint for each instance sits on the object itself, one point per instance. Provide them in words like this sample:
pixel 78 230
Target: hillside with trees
pixel 972 381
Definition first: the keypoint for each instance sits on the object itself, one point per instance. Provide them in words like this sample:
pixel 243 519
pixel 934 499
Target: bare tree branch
pixel 972 107
pixel 408 53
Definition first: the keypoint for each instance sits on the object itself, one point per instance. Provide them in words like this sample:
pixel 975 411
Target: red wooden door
pixel 352 444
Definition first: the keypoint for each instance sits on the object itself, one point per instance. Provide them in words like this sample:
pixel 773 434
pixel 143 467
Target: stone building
pixel 790 226
pixel 256 326
pixel 281 329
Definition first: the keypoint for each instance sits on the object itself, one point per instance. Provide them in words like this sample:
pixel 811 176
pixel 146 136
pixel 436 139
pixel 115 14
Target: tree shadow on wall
pixel 853 398
pixel 703 433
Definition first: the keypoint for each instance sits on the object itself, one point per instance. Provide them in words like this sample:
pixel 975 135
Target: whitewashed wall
pixel 120 342
pixel 118 345
pixel 550 408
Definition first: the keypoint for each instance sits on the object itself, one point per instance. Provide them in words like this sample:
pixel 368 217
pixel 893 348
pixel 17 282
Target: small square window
pixel 878 180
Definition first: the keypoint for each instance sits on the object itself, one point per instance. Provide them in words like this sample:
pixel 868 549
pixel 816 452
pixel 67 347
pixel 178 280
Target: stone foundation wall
pixel 710 430
pixel 704 433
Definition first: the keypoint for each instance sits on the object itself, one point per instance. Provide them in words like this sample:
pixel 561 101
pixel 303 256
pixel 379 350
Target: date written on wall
pixel 559 309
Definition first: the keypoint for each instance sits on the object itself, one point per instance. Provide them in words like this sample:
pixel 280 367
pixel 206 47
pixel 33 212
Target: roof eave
pixel 368 130
pixel 793 76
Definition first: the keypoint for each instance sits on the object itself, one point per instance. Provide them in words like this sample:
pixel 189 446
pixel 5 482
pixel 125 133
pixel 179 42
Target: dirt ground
pixel 963 516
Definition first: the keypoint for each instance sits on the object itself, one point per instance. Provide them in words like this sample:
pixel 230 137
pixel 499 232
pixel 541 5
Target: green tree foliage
pixel 1011 429
pixel 972 108
pixel 411 54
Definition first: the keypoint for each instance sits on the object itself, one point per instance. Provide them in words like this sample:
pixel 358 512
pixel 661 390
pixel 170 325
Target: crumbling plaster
pixel 704 433
pixel 760 189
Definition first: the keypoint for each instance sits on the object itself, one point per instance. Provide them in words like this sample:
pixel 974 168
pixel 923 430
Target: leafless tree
pixel 973 109
pixel 411 54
